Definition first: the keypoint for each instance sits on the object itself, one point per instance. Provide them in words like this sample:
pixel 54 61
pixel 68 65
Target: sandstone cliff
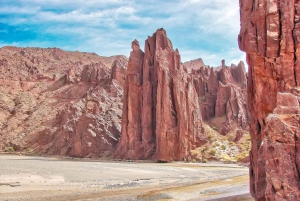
pixel 161 114
pixel 270 36
pixel 60 103
pixel 222 95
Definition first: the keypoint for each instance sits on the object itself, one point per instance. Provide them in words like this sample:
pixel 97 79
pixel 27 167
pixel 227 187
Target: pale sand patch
pixel 40 178
pixel 28 181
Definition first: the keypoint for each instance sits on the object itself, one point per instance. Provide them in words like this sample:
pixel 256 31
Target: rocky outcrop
pixel 270 36
pixel 131 142
pixel 76 112
pixel 161 114
pixel 222 94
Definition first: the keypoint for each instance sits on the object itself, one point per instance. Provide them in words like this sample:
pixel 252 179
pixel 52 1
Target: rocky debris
pixel 161 113
pixel 270 36
pixel 222 93
pixel 76 112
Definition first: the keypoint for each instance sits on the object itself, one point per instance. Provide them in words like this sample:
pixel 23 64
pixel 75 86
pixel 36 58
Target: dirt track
pixel 40 178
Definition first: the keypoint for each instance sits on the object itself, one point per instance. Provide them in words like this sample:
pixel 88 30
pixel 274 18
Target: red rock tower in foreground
pixel 270 35
pixel 161 113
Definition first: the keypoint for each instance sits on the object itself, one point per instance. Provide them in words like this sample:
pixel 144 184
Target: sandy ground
pixel 45 178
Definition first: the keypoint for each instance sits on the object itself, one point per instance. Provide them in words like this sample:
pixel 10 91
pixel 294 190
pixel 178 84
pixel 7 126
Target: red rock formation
pixel 76 114
pixel 270 37
pixel 118 71
pixel 131 145
pixel 161 114
pixel 222 93
pixel 239 135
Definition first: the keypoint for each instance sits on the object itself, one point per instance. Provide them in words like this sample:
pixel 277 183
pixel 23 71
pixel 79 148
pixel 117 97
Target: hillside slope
pixel 60 103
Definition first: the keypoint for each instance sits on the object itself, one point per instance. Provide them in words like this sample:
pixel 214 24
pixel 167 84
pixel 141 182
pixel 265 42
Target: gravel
pixel 49 178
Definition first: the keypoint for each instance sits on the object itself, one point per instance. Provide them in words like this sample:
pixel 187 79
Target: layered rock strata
pixel 270 35
pixel 60 103
pixel 161 113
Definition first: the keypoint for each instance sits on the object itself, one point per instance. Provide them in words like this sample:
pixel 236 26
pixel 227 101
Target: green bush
pixel 108 154
pixel 9 149
pixel 29 150
pixel 239 157
pixel 232 143
pixel 223 147
pixel 212 152
pixel 204 160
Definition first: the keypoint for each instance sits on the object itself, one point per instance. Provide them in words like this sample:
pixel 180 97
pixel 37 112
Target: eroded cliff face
pixel 161 113
pixel 222 95
pixel 270 37
pixel 60 103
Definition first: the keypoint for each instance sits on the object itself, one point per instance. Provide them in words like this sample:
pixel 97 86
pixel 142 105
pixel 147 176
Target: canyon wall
pixel 71 103
pixel 222 93
pixel 270 35
pixel 161 113
pixel 60 103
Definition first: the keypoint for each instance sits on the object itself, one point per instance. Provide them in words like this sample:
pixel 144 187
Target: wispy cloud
pixel 198 28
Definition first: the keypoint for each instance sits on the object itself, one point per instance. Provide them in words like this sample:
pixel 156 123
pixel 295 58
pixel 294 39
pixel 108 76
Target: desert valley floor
pixel 48 178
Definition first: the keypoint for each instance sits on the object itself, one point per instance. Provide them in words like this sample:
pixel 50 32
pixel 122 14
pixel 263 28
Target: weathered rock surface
pixel 270 36
pixel 161 113
pixel 70 104
pixel 222 95
pixel 60 103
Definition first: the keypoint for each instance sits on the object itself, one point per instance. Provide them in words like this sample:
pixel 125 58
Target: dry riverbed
pixel 46 178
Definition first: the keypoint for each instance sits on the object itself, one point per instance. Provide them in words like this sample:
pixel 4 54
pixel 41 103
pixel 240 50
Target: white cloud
pixel 19 10
pixel 198 28
pixel 214 59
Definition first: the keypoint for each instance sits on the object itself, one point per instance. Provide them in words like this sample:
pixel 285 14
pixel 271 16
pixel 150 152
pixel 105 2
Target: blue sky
pixel 206 29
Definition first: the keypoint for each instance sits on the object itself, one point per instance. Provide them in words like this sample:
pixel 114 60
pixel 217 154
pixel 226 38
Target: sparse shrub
pixel 212 152
pixel 194 161
pixel 245 153
pixel 239 157
pixel 217 144
pixel 209 135
pixel 204 160
pixel 231 143
pixel 223 138
pixel 9 149
pixel 215 128
pixel 29 151
pixel 107 155
pixel 223 147
pixel 203 98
